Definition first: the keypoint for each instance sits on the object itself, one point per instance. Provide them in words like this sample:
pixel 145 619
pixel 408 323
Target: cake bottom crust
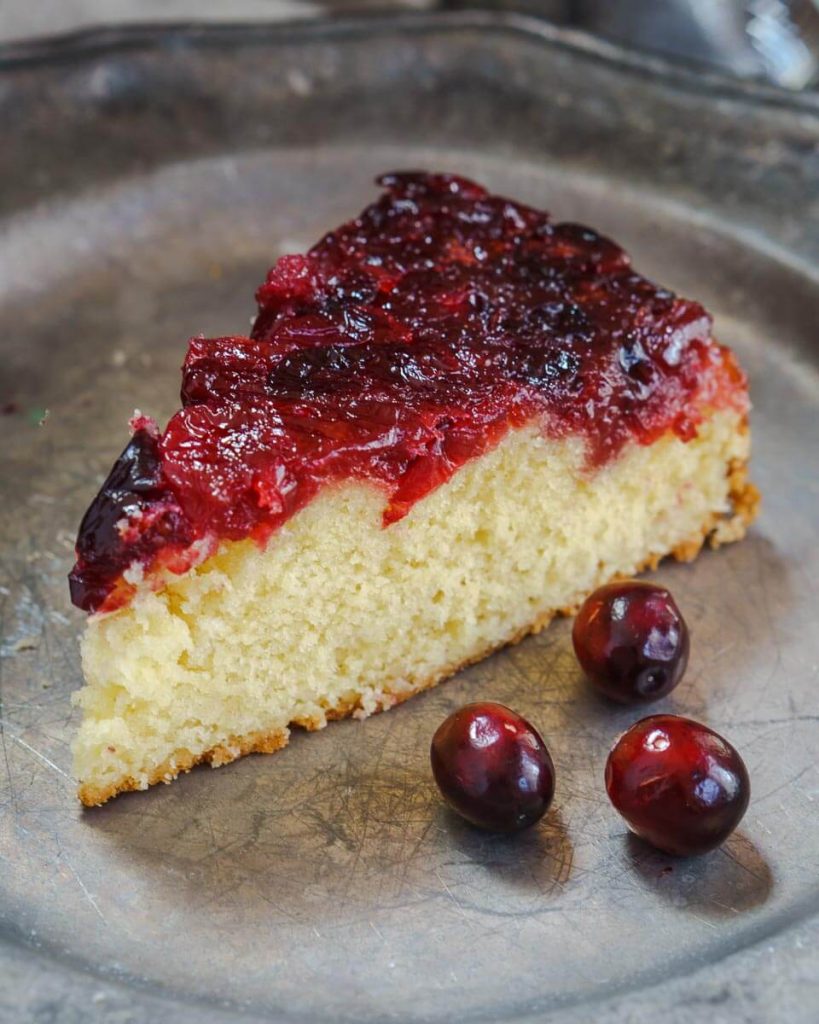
pixel 718 529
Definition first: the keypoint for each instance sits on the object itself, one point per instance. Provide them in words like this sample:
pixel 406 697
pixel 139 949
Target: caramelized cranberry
pixel 632 641
pixel 679 785
pixel 403 344
pixel 492 767
pixel 132 517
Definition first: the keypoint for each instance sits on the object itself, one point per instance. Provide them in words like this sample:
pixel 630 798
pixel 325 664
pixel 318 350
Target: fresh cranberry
pixel 492 767
pixel 632 641
pixel 679 785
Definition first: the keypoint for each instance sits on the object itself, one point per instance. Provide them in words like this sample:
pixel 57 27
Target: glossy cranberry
pixel 132 505
pixel 403 344
pixel 632 641
pixel 679 785
pixel 492 767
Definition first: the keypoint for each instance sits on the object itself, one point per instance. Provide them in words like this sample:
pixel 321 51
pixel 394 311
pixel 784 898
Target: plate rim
pixel 45 50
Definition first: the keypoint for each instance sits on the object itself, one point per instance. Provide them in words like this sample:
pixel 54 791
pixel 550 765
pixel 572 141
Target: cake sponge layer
pixel 338 614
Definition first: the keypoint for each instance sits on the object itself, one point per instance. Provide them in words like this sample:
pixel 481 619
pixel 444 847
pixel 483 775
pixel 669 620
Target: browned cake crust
pixel 717 530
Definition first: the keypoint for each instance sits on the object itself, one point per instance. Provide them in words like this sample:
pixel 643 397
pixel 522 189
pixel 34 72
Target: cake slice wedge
pixel 453 419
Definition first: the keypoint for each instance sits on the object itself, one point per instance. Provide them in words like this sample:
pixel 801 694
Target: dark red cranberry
pixel 405 343
pixel 134 490
pixel 679 785
pixel 492 767
pixel 632 641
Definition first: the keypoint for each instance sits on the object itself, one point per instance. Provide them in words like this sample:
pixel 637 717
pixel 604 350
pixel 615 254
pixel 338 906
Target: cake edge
pixel 718 529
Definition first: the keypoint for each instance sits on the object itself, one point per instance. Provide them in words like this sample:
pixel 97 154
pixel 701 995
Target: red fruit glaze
pixel 492 767
pixel 404 343
pixel 679 785
pixel 632 641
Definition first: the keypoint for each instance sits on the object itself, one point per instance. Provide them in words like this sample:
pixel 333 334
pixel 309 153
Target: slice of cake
pixel 453 419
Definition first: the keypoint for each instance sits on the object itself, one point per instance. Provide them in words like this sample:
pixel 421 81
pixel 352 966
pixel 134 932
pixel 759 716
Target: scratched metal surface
pixel 147 182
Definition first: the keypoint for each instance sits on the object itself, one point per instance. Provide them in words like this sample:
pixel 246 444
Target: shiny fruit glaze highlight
pixel 492 767
pixel 406 342
pixel 678 784
pixel 631 641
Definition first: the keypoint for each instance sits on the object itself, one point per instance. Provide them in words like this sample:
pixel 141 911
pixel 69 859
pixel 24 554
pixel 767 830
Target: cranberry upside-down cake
pixel 453 419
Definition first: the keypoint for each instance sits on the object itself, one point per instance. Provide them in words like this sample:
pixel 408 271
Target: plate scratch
pixel 83 887
pixel 41 757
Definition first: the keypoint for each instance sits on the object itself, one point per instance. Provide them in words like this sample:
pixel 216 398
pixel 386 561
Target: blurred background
pixel 773 40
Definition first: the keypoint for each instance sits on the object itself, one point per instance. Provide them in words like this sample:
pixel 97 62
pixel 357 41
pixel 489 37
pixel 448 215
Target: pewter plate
pixel 148 179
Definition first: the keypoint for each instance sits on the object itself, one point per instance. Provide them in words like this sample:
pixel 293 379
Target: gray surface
pixel 21 19
pixel 145 185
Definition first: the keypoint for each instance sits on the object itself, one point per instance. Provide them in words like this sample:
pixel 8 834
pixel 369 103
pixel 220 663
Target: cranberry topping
pixel 404 343
pixel 130 520
pixel 492 767
pixel 632 641
pixel 679 785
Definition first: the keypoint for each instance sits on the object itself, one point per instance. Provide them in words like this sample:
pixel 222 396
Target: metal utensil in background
pixel 785 36
pixel 777 40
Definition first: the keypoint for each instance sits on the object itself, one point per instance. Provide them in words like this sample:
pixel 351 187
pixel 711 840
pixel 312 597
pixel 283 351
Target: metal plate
pixel 148 179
